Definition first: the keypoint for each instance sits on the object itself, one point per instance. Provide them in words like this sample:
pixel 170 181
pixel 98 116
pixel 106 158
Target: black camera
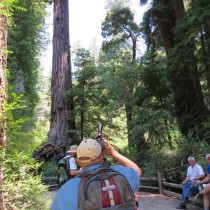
pixel 99 136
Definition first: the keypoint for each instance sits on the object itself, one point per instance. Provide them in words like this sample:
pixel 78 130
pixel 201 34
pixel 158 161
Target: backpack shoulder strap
pixel 94 171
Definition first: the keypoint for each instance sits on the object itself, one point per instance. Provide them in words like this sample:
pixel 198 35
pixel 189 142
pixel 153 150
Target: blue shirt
pixel 208 168
pixel 67 196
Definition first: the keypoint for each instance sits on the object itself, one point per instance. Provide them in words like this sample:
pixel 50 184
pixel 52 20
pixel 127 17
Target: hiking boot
pixel 181 206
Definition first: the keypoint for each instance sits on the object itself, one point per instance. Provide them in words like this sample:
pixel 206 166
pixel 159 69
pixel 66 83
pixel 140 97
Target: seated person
pixel 206 191
pixel 189 186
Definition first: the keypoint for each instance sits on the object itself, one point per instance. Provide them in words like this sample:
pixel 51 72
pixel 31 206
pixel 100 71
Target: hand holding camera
pixel 100 136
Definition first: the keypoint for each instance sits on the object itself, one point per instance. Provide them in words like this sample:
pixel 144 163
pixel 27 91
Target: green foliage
pixel 154 76
pixel 95 93
pixel 101 89
pixel 117 4
pixel 189 147
pixel 118 27
pixel 157 125
pixel 18 139
pixel 161 159
pixel 173 162
pixel 23 186
pixel 148 85
pixel 84 91
pixel 181 35
pixel 25 40
pixel 49 169
pixel 26 194
pixel 117 75
pixel 9 4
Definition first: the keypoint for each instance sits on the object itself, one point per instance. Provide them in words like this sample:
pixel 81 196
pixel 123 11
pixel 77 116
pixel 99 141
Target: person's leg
pixel 206 189
pixel 206 202
pixel 193 190
pixel 186 192
pixel 185 195
pixel 206 196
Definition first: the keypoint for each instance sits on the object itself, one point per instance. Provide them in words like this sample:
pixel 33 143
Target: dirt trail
pixel 151 201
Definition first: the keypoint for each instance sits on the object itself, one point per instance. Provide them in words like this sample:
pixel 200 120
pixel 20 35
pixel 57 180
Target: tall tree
pixel 84 81
pixel 3 91
pixel 62 116
pixel 118 29
pixel 198 14
pixel 26 39
pixel 191 111
pixel 62 121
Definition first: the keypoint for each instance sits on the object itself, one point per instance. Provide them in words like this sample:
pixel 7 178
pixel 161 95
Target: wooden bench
pixel 160 184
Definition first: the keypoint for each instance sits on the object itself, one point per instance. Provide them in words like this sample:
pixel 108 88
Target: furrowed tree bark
pixel 3 95
pixel 62 123
pixel 62 118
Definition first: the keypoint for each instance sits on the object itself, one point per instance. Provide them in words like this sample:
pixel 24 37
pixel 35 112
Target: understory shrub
pixel 49 169
pixel 26 194
pixel 173 162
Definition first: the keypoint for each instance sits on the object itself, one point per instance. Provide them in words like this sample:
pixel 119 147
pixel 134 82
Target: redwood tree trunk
pixel 206 50
pixel 191 111
pixel 128 102
pixel 62 118
pixel 62 122
pixel 3 96
pixel 82 114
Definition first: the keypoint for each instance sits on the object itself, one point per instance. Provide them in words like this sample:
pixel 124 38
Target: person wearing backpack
pixel 100 187
pixel 67 166
pixel 72 165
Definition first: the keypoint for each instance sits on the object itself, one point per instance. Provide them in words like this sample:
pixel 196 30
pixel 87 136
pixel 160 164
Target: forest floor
pixel 151 201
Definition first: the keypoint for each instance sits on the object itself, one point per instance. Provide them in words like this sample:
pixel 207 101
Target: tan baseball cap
pixel 72 148
pixel 88 150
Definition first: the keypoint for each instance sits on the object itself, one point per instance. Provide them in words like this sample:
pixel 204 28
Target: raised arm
pixel 109 150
